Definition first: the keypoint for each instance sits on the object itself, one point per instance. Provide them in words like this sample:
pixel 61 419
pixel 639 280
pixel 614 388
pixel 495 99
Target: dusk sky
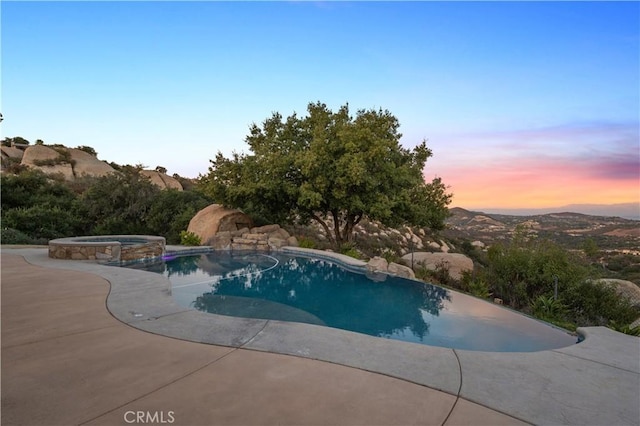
pixel 527 104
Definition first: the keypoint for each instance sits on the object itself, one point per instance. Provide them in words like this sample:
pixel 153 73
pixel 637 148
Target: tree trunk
pixel 326 229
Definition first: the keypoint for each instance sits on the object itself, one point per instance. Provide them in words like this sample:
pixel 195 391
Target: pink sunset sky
pixel 583 164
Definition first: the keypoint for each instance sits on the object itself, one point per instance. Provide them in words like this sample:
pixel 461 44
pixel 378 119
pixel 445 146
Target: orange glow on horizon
pixel 524 189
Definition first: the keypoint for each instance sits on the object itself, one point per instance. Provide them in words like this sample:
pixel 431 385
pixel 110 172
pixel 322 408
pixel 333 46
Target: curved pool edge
pixel 548 387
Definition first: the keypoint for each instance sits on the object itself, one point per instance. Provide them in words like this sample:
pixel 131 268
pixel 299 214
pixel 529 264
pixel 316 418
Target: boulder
pixel 456 262
pixel 624 288
pixel 12 152
pixel 478 244
pixel 82 163
pixel 87 164
pixel 10 155
pixel 220 241
pixel 34 156
pixel 401 270
pixel 162 180
pixel 377 263
pixel 434 245
pixel 217 218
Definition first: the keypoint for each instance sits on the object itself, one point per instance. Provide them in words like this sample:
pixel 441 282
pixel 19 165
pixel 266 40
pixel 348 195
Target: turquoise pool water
pixel 300 289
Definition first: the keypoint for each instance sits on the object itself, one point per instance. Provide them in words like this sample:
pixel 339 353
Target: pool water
pixel 300 289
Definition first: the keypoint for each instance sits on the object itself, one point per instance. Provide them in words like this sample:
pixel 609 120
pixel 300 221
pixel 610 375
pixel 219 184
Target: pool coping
pixel 546 387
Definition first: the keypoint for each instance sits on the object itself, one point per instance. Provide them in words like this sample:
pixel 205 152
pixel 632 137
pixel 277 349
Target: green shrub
pixel 423 273
pixel 626 329
pixel 305 242
pixel 592 303
pixel 13 236
pixel 480 288
pixel 46 162
pixel 42 221
pixel 390 255
pixel 88 150
pixel 349 249
pixel 438 276
pixel 189 239
pixel 548 307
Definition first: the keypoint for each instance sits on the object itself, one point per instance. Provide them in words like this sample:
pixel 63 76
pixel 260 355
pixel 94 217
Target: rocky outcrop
pixel 48 160
pixel 162 180
pixel 74 163
pixel 379 264
pixel 215 219
pixel 11 152
pixel 401 270
pixel 455 262
pixel 88 165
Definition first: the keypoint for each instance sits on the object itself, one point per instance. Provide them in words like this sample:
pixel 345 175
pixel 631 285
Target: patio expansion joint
pixel 242 346
pixel 594 361
pixel 62 336
pixel 453 406
pixel 458 397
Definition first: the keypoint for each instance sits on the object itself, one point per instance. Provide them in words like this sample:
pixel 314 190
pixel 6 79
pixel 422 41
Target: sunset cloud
pixel 588 163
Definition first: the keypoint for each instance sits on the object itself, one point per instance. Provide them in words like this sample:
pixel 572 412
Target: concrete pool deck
pixel 84 343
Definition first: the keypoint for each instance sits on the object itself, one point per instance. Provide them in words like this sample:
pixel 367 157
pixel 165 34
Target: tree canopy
pixel 333 168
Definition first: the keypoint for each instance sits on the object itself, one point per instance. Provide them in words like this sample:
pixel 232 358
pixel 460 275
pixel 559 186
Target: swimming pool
pixel 318 291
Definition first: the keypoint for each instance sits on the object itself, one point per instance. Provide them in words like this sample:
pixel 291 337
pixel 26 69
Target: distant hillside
pixel 623 210
pixel 567 228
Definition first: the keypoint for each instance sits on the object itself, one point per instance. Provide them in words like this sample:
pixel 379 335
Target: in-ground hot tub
pixel 108 248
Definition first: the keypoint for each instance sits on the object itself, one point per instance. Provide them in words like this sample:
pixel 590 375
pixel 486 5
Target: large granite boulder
pixel 401 270
pixel 456 262
pixel 380 264
pixel 215 219
pixel 162 180
pixel 78 163
pixel 10 155
pixel 624 288
pixel 47 160
pixel 377 263
pixel 87 164
pixel 11 152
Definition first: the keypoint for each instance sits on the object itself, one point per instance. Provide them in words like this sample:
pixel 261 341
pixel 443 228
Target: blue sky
pixel 524 104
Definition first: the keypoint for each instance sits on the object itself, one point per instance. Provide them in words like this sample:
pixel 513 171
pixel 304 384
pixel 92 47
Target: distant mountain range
pixel 623 210
pixel 570 229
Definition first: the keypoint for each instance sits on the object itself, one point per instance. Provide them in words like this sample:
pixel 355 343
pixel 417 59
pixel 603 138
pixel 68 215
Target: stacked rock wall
pixel 263 238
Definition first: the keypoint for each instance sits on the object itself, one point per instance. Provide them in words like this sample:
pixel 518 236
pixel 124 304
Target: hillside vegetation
pixel 37 207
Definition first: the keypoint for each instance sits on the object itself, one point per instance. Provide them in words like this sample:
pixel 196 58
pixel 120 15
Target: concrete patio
pixel 84 343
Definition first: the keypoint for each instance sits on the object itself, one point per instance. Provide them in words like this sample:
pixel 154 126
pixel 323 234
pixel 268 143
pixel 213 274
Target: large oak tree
pixel 330 165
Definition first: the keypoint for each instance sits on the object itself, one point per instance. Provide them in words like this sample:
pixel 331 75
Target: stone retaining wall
pixel 263 238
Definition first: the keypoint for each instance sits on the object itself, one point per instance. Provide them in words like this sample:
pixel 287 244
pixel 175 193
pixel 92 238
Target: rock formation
pixel 216 218
pixel 162 180
pixel 73 163
pixel 11 152
pixel 455 262
pixel 48 160
pixel 379 264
